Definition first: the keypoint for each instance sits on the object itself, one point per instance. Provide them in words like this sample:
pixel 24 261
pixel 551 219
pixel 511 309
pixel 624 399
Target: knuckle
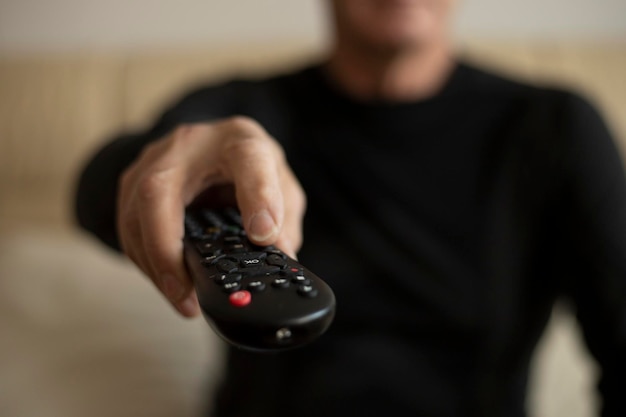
pixel 183 134
pixel 245 138
pixel 166 150
pixel 246 148
pixel 244 125
pixel 150 150
pixel 153 185
pixel 265 192
pixel 243 133
pixel 171 144
pixel 256 151
pixel 300 200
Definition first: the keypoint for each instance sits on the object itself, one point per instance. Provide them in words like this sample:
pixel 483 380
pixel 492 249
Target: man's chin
pixel 398 42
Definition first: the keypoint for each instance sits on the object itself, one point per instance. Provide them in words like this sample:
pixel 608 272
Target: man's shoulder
pixel 492 84
pixel 489 80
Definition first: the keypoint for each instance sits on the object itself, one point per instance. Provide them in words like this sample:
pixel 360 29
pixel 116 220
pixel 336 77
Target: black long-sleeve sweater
pixel 447 227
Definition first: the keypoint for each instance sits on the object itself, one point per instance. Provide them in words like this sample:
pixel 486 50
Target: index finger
pixel 252 163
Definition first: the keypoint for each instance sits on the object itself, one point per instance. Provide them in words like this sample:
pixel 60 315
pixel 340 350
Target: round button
pixel 240 298
pixel 226 265
pixel 301 279
pixel 227 278
pixel 277 260
pixel 283 334
pixel 256 286
pixel 307 291
pixel 280 283
pixel 231 287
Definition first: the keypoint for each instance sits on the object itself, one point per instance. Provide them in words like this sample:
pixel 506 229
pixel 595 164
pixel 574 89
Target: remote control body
pixel 254 297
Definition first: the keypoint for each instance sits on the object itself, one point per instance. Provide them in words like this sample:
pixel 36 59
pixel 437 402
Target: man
pixel 447 207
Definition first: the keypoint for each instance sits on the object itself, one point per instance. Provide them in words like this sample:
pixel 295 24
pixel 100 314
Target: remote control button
pixel 235 248
pixel 251 259
pixel 232 277
pixel 292 272
pixel 213 231
pixel 240 298
pixel 307 291
pixel 226 265
pixel 301 279
pixel 261 270
pixel 211 260
pixel 247 263
pixel 232 239
pixel 276 260
pixel 280 283
pixel 231 287
pixel 222 279
pixel 207 248
pixel 219 278
pixel 255 286
pixel 245 255
pixel 231 229
pixel 283 334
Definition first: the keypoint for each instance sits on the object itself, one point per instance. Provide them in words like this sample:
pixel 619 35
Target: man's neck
pixel 399 76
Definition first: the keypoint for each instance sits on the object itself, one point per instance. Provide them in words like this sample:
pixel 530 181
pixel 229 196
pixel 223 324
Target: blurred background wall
pixel 40 25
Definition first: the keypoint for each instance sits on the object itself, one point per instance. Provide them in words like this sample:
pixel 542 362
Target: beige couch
pixel 82 332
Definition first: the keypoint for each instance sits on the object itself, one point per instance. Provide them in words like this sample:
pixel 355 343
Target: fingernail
pixel 262 226
pixel 172 288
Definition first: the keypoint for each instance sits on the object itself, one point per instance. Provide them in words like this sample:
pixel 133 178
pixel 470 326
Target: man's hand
pixel 171 173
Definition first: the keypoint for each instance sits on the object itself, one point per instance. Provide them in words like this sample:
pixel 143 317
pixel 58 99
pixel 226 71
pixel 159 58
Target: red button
pixel 240 298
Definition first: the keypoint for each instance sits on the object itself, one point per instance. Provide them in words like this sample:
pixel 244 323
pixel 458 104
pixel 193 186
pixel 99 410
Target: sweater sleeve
pixel 596 226
pixel 96 189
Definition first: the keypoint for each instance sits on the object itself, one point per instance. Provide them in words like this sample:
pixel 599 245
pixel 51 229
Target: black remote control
pixel 254 297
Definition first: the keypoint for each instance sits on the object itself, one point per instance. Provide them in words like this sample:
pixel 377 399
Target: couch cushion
pixel 84 334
